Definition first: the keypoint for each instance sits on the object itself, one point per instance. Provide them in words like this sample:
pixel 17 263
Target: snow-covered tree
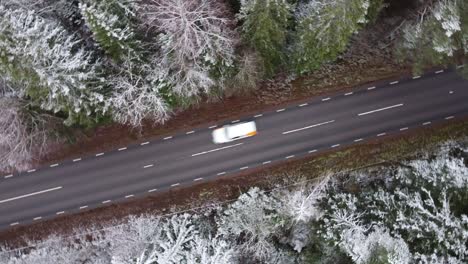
pixel 264 27
pixel 42 59
pixel 324 29
pixel 25 134
pixel 111 24
pixel 196 42
pixel 438 34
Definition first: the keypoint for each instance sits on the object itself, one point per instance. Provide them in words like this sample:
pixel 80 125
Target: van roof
pixel 241 129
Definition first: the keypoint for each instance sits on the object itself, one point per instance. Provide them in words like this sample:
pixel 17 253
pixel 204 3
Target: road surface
pixel 182 159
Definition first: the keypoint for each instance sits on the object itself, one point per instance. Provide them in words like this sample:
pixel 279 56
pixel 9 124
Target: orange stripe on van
pixel 253 133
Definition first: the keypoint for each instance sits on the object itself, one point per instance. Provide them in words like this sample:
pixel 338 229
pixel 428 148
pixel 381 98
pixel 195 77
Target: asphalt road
pixel 182 159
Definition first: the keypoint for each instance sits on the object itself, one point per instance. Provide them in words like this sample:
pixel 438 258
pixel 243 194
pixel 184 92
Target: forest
pixel 71 65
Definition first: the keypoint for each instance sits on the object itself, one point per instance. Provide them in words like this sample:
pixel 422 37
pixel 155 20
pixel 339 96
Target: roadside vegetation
pixel 66 66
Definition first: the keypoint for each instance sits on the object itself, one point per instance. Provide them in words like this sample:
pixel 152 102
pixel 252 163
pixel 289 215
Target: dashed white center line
pixel 78 159
pixel 426 123
pixel 83 207
pixel 326 99
pixel 441 71
pixel 129 196
pixel 403 128
pixel 312 151
pixel 120 149
pixel 190 132
pixel 394 82
pixel 451 92
pixel 350 93
pixel 13 224
pixel 235 121
pixel 37 218
pixel 8 176
pixel 152 190
pixel 148 166
pixel 59 213
pixel 371 88
pixel 99 154
pixel 381 109
pixel 212 126
pixel 166 138
pixel 175 184
pixel 416 77
pixel 307 127
pixel 213 150
pixel 106 201
pixel 449 117
pixel 221 173
pixel 280 110
pixel 359 139
pixel 290 157
pixel 244 168
pixel 336 145
pixel 30 194
pixel 145 143
pixel 198 179
pixel 54 165
pixel 260 115
pixel 381 134
pixel 266 162
pixel 301 105
pixel 33 170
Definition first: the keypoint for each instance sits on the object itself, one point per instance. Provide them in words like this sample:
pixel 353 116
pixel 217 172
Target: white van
pixel 230 133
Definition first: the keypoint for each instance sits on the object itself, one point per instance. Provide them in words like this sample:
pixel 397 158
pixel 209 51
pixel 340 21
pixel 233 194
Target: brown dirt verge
pixel 389 148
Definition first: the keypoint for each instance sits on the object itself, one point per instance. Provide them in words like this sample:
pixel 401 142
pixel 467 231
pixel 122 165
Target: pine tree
pixel 324 29
pixel 265 24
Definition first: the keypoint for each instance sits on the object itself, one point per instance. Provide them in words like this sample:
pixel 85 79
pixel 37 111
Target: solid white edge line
pixel 266 162
pixel 244 168
pixel 336 145
pixel 152 190
pixel 212 126
pixel 106 201
pixel 144 143
pixel 175 184
pixel 290 157
pixel 213 150
pixel 312 151
pixel 426 123
pixel 148 166
pixel 394 82
pixel 371 88
pixel 441 71
pixel 350 93
pixel 221 173
pixel 403 128
pixel 166 138
pixel 190 132
pixel 15 223
pixel 30 194
pixel 307 127
pixel 37 218
pixel 326 99
pixel 198 179
pixel 449 117
pixel 33 170
pixel 78 159
pixel 59 213
pixel 260 115
pixel 280 110
pixel 99 154
pixel 301 105
pixel 235 121
pixel 8 176
pixel 380 109
pixel 359 139
pixel 120 149
pixel 83 207
pixel 129 196
pixel 381 134
pixel 416 77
